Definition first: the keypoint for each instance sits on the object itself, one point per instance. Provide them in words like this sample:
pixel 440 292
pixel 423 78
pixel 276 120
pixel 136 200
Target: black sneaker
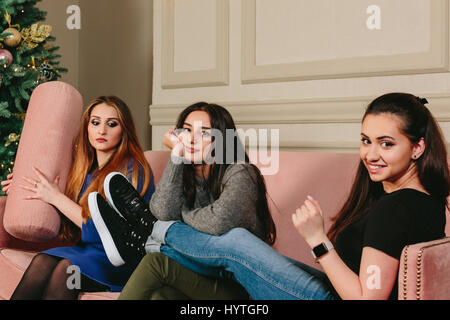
pixel 122 242
pixel 127 202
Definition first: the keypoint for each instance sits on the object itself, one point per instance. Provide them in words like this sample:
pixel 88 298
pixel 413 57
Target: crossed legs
pixel 46 279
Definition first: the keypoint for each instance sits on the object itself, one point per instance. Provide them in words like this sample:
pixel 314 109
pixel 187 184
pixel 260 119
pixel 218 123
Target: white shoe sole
pixel 108 193
pixel 110 248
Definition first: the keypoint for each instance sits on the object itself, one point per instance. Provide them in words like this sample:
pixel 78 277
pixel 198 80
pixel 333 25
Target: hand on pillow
pixel 5 184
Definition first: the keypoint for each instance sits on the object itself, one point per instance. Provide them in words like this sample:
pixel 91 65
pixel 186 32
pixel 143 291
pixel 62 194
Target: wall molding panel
pixel 217 76
pixel 436 59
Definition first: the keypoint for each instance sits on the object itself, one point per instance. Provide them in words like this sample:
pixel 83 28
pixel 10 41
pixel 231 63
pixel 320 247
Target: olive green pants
pixel 157 277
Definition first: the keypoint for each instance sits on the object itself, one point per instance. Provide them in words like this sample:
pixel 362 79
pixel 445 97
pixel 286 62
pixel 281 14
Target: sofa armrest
pixel 424 272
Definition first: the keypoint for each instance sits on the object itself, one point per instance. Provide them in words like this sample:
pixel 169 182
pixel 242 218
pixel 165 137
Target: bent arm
pixel 309 222
pixel 377 275
pixel 69 208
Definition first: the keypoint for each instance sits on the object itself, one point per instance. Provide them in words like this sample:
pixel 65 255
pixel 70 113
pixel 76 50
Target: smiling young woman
pixel 421 160
pixel 388 154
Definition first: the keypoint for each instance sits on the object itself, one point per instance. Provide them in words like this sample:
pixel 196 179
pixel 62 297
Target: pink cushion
pixel 157 161
pixel 324 176
pixel 52 120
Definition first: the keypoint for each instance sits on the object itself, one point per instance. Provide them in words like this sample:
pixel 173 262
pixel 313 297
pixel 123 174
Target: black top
pixel 400 218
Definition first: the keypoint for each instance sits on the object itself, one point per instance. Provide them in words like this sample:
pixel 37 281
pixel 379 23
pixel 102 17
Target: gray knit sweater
pixel 235 207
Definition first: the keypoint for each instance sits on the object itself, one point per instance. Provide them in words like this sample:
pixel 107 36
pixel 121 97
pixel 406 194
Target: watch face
pixel 320 250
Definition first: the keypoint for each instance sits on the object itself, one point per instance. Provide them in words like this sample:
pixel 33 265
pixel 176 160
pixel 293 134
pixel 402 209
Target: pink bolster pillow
pixel 51 123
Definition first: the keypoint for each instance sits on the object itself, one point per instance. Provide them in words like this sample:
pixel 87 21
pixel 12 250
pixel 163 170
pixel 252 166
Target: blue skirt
pixel 89 255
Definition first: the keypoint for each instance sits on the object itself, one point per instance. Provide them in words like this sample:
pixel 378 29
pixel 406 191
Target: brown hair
pixel 432 167
pixel 84 161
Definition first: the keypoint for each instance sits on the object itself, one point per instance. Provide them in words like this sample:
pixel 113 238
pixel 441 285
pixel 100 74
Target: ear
pixel 418 149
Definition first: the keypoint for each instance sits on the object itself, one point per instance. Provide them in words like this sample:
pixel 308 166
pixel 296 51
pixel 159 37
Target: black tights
pixel 46 278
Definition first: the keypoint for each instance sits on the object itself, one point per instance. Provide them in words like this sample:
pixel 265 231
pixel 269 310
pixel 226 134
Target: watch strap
pixel 321 249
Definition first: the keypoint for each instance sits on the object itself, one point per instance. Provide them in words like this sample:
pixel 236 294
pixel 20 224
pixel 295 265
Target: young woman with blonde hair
pixel 106 142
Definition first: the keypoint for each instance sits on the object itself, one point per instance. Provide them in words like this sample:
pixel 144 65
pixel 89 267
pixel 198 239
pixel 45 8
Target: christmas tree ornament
pixel 13 40
pixel 46 72
pixel 5 54
pixel 35 35
pixel 13 137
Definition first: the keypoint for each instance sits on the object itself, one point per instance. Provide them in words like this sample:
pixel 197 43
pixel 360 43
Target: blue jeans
pixel 262 271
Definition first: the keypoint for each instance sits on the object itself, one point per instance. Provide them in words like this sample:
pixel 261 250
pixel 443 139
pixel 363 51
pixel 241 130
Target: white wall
pixel 307 68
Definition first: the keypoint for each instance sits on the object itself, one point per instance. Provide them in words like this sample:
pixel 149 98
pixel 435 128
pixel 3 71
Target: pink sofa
pixel 424 268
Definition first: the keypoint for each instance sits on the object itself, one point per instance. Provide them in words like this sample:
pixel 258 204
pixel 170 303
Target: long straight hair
pixel 222 121
pixel 432 167
pixel 85 161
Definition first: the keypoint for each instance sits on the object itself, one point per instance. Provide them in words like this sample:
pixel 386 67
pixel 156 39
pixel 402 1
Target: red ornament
pixel 6 54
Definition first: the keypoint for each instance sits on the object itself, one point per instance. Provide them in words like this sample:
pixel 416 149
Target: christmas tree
pixel 27 59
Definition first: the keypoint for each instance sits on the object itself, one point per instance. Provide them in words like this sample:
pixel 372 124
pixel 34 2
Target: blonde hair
pixel 84 161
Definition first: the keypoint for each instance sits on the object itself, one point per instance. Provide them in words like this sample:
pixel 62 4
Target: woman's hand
pixel 42 188
pixel 308 220
pixel 173 141
pixel 6 184
pixel 170 139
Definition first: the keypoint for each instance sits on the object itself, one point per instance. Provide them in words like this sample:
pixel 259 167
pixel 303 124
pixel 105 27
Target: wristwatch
pixel 321 249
